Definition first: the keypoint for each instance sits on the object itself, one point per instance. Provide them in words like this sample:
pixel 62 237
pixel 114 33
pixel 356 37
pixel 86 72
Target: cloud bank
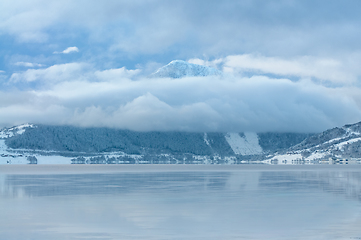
pixel 28 64
pixel 75 94
pixel 344 71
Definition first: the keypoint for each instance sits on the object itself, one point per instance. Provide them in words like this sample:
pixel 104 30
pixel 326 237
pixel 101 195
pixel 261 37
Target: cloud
pixel 188 28
pixel 147 112
pixel 61 76
pixel 68 50
pixel 115 74
pixel 2 71
pixel 28 20
pixel 55 73
pixel 28 64
pixel 320 68
pixel 77 94
pixel 338 71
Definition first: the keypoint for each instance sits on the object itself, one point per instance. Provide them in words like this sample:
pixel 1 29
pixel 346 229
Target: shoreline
pixel 124 168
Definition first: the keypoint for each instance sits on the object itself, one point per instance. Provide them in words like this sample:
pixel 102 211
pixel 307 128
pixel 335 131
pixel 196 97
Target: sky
pixel 289 66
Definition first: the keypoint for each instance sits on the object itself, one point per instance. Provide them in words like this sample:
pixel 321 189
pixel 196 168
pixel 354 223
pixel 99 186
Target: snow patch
pixel 316 155
pixel 179 69
pixel 342 144
pixel 5 134
pixel 11 160
pixel 3 146
pixel 351 132
pixel 205 137
pixel 8 157
pixel 10 132
pixel 330 141
pixel 247 145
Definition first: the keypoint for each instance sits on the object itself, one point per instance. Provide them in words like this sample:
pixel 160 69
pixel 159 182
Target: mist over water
pixel 174 202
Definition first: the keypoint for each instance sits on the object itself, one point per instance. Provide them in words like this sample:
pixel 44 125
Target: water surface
pixel 180 202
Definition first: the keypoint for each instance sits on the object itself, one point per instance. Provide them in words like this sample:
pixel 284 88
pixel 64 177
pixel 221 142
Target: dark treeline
pixel 98 140
pixel 74 139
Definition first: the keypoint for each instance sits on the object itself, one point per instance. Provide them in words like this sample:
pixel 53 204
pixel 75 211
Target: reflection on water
pixel 240 204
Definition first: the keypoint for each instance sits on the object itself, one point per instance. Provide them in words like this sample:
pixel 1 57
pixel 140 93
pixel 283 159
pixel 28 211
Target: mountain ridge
pixel 105 145
pixel 339 144
pixel 79 142
pixel 180 68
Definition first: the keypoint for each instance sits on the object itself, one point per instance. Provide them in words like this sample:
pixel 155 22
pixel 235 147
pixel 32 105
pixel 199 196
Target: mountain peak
pixel 180 68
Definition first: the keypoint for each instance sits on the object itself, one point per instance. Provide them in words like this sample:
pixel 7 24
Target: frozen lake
pixel 180 202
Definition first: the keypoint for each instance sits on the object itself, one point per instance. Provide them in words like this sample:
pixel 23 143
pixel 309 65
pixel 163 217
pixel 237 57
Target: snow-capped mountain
pixel 179 69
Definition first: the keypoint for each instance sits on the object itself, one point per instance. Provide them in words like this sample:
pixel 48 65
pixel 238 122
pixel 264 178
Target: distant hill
pixel 340 144
pixel 30 143
pixel 190 147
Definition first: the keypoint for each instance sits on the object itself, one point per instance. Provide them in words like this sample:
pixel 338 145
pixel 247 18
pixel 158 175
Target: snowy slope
pixel 7 156
pixel 10 132
pixel 179 69
pixel 3 147
pixel 331 137
pixel 337 144
pixel 245 145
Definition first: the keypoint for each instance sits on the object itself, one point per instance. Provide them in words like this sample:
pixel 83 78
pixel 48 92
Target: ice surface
pixel 180 202
pixel 53 160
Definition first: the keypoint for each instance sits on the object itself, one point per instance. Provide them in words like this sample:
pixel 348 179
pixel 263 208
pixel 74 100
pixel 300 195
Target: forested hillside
pixel 103 140
pixel 67 138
